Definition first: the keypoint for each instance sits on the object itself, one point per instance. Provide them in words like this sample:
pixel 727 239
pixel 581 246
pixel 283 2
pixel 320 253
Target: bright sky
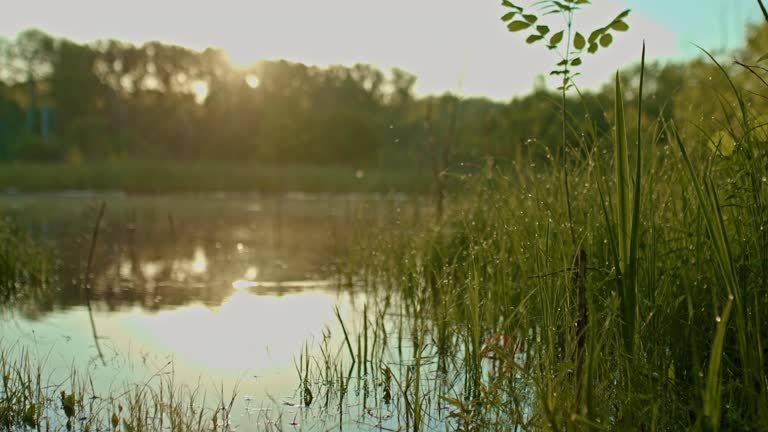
pixel 451 45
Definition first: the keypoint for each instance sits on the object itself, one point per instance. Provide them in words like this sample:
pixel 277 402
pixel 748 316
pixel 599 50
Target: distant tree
pixel 402 83
pixel 30 56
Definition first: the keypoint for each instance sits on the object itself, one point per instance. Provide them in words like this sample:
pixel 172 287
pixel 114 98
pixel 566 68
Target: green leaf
pixel 563 7
pixel 629 284
pixel 576 62
pixel 505 3
pixel 451 401
pixel 623 15
pixel 508 16
pixel 578 41
pixel 562 63
pixel 619 25
pixel 542 29
pixel 518 25
pixel 592 48
pixel 534 38
pixel 68 404
pixel 605 40
pixel 624 216
pixel 710 210
pixel 713 390
pixel 556 38
pixel 531 18
pixel 595 34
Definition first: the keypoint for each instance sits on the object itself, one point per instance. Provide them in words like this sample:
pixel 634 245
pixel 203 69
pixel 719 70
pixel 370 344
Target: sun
pixel 200 90
pixel 252 80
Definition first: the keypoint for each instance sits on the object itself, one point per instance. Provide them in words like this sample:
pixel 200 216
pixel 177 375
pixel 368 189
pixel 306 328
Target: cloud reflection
pixel 247 331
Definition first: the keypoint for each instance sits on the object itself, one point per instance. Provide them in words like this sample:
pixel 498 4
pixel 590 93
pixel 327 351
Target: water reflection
pixel 156 252
pixel 224 289
pixel 246 332
pixel 247 344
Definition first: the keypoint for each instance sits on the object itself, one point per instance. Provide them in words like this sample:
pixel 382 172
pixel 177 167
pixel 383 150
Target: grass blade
pixel 624 215
pixel 712 393
pixel 622 180
pixel 346 335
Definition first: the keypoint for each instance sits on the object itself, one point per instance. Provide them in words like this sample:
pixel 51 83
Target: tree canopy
pixel 64 101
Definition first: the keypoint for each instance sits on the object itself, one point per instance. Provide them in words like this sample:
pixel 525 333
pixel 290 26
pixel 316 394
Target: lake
pixel 229 295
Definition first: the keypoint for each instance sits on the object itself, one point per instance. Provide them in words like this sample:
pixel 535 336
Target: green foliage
pixel 626 276
pixel 68 404
pixel 33 147
pixel 623 182
pixel 518 25
pixel 677 265
pixel 70 102
pixel 570 54
pixel 293 115
pixel 680 344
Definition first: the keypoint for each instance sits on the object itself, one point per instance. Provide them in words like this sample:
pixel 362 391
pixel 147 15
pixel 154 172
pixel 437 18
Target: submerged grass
pixel 24 268
pixel 30 399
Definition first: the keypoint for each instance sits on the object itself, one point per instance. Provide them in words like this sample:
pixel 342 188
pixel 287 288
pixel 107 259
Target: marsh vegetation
pixel 606 274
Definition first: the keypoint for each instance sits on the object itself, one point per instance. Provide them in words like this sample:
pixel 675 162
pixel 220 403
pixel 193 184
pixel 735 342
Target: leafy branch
pixel 576 44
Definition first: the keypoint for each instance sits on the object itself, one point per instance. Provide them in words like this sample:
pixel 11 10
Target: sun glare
pixel 205 336
pixel 252 80
pixel 200 89
pixel 200 261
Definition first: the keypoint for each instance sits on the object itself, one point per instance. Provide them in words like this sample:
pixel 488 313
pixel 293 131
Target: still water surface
pixel 220 292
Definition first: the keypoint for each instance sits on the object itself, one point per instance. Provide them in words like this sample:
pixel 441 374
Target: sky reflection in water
pixel 224 293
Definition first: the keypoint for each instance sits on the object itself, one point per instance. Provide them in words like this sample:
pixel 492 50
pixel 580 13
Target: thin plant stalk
pixel 88 278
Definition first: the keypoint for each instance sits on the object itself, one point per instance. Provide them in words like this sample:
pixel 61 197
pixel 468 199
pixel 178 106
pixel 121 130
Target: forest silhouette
pixel 111 100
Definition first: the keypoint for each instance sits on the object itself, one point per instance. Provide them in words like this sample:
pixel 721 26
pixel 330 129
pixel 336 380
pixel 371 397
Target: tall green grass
pixel 676 295
pixel 675 291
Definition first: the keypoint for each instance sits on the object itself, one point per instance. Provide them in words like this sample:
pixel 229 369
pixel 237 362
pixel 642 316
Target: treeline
pixel 64 101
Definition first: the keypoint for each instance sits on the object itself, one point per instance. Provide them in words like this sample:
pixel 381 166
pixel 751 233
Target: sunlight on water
pixel 251 273
pixel 199 262
pixel 246 332
pixel 215 295
pixel 249 344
